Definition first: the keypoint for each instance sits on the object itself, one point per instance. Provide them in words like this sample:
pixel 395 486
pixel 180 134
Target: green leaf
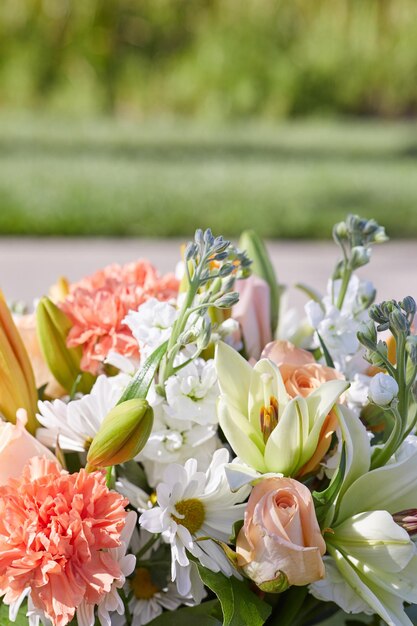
pixel 140 383
pixel 322 499
pixel 203 615
pixel 21 619
pixel 262 266
pixel 159 565
pixel 240 606
pixel 311 293
pixel 134 473
pixel 72 462
pixel 326 353
pixel 237 526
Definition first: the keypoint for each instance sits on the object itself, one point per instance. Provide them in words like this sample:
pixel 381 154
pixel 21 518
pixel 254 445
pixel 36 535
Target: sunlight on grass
pixel 164 178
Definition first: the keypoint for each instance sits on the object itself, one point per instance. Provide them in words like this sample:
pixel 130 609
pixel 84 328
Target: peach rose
pixel 280 541
pixel 299 370
pixel 253 314
pixel 302 375
pixel 17 446
pixel 26 325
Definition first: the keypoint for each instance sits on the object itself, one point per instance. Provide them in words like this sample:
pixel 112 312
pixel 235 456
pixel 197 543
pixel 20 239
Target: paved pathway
pixel 29 266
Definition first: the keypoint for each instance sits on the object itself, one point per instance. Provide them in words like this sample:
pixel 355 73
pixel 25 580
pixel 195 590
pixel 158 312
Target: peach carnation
pixel 98 304
pixel 56 530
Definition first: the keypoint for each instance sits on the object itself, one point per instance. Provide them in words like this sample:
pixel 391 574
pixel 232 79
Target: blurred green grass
pixel 164 178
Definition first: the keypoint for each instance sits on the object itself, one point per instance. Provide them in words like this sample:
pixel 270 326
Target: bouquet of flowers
pixel 181 449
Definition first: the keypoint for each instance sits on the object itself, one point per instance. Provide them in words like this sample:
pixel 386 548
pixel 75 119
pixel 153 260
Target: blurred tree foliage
pixel 219 58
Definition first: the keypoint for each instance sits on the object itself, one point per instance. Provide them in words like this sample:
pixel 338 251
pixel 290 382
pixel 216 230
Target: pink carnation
pixel 98 304
pixel 56 530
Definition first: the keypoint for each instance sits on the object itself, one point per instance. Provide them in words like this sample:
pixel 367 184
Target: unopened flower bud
pixel 226 269
pixel 191 251
pixel 340 232
pixel 227 301
pixel 208 237
pixel 53 327
pixel 359 256
pixel 409 306
pixel 17 381
pixel 383 389
pixel 367 335
pixel 122 434
pixel 411 347
pixel 398 322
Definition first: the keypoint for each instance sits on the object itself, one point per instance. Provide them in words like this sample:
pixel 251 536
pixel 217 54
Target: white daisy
pixel 193 506
pixel 192 393
pixel 148 596
pixel 112 601
pixel 76 423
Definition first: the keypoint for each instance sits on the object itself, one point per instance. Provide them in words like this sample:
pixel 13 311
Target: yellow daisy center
pixel 193 512
pixel 142 585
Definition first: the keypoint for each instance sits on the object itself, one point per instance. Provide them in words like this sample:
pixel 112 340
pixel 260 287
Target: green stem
pixel 287 612
pixel 179 326
pixel 147 546
pixel 128 616
pixel 347 273
pixel 109 477
pixel 403 392
pixel 383 455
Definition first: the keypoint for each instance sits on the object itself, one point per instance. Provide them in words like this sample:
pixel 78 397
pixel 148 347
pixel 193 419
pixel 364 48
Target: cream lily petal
pixel 239 475
pixel 392 488
pixel 234 374
pixel 373 538
pixel 388 606
pixel 357 450
pixel 283 448
pixel 311 442
pixel 323 399
pixel 242 437
pixel 265 384
pixel 402 584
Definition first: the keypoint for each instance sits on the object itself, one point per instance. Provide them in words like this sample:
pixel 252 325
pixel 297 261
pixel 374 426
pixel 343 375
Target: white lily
pixel 266 429
pixel 375 556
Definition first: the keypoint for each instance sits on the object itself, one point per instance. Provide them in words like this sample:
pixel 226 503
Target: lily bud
pixel 17 381
pixel 53 327
pixel 122 435
pixel 262 267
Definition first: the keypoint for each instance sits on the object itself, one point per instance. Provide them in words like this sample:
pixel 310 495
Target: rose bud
pixel 122 435
pixel 280 541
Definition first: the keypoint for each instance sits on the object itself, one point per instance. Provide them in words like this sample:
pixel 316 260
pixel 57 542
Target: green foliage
pixel 218 58
pixel 240 606
pixel 204 615
pixel 21 619
pixel 111 178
